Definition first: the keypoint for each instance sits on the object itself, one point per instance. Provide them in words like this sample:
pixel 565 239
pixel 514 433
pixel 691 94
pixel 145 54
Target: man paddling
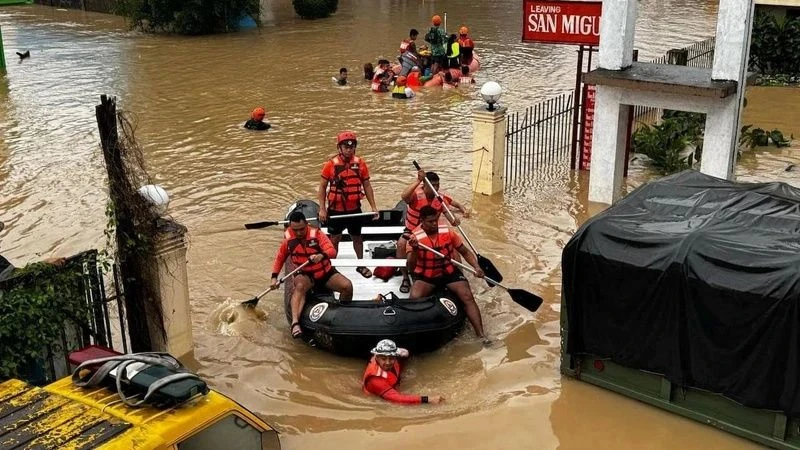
pixel 344 182
pixel 383 373
pixel 418 195
pixel 305 243
pixel 432 272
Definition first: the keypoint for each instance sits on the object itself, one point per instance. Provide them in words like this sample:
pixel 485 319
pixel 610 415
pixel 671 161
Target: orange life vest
pixel 345 190
pixel 430 265
pixel 301 250
pixel 412 214
pixel 412 80
pixel 374 370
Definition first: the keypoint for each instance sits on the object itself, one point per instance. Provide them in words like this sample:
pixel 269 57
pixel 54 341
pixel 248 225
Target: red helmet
pixel 345 136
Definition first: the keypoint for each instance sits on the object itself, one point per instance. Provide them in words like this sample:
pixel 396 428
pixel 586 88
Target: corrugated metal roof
pixel 32 418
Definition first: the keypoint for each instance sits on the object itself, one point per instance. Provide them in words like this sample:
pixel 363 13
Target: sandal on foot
pixel 405 286
pixel 365 272
pixel 297 330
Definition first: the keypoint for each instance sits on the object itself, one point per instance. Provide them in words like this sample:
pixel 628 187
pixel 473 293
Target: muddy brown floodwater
pixel 190 97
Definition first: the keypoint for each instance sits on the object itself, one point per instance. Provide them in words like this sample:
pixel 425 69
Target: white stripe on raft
pixel 376 230
pixel 369 262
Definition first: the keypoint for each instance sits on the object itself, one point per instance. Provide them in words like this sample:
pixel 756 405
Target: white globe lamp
pixel 156 196
pixel 491 92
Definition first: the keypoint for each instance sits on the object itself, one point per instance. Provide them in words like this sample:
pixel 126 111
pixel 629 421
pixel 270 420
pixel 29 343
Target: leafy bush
pixel 667 143
pixel 188 16
pixel 757 137
pixel 775 45
pixel 315 9
pixel 35 306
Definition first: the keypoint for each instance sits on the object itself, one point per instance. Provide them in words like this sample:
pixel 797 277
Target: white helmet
pixel 386 347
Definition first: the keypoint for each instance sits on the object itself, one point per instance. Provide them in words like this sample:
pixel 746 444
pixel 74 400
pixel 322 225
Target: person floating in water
pixel 256 121
pixel 383 373
pixel 341 80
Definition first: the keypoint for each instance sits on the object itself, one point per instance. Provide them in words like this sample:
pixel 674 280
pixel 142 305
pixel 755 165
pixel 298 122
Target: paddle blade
pixel 489 270
pixel 256 225
pixel 527 300
pixel 250 303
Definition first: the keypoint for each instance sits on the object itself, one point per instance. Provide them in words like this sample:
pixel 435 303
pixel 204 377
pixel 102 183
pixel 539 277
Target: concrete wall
pixel 103 6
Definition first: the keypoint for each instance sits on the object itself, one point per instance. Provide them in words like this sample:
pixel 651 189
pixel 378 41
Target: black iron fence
pixel 541 134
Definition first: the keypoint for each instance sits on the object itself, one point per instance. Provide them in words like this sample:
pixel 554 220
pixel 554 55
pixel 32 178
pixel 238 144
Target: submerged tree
pixel 315 9
pixel 188 16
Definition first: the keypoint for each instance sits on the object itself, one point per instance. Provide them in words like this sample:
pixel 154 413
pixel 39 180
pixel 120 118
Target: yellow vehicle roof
pixel 64 416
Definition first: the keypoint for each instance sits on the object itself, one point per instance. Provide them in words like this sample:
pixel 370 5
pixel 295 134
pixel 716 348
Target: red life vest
pixel 374 370
pixel 404 45
pixel 430 265
pixel 412 80
pixel 301 250
pixel 376 81
pixel 345 190
pixel 412 213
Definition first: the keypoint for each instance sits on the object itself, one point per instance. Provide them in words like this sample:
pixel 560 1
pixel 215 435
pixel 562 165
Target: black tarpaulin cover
pixel 695 278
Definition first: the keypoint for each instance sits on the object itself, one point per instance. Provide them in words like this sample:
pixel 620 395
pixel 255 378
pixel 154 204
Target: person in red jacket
pixel 305 243
pixel 344 182
pixel 433 273
pixel 383 373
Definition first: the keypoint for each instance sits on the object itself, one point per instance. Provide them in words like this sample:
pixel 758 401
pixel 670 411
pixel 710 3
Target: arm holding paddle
pixel 370 197
pixel 471 259
pixel 280 260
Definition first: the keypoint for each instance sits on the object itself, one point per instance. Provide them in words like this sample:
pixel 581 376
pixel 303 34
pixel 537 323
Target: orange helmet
pixel 346 136
pixel 258 113
pixel 401 80
pixel 436 20
pixel 463 30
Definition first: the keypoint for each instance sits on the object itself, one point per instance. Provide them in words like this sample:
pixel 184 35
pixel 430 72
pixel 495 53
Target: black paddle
pixel 527 300
pixel 254 301
pixel 485 264
pixel 256 225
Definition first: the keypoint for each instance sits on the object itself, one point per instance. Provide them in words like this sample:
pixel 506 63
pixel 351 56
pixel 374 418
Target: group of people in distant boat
pixel 344 183
pixel 445 60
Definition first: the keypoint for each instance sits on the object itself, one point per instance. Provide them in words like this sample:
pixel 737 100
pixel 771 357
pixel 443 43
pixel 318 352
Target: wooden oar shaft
pixel 447 210
pixel 460 264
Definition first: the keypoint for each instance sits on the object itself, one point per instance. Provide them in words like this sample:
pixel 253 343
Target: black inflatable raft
pixel 420 325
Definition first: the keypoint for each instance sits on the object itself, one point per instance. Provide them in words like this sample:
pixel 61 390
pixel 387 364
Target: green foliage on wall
pixel 35 306
pixel 315 9
pixel 190 17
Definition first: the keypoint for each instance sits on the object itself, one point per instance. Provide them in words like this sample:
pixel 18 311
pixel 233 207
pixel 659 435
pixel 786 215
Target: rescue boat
pixel 378 310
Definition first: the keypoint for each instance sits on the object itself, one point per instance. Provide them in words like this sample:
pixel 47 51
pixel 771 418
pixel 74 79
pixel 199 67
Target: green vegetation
pixel 775 49
pixel 188 16
pixel 37 305
pixel 315 9
pixel 676 143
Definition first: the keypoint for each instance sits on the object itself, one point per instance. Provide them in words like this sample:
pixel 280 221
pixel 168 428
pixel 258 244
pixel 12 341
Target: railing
pixel 541 134
pixel 101 304
pixel 700 54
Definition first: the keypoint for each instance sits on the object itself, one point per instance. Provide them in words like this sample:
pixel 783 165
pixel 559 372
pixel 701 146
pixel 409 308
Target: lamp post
pixel 491 92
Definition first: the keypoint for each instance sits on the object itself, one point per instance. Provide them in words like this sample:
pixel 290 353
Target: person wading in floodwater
pixel 383 374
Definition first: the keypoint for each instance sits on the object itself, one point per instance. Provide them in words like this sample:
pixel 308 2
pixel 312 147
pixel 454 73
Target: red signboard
pixel 561 22
pixel 588 126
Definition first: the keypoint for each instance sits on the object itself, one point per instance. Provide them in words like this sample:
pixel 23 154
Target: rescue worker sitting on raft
pixel 418 195
pixel 432 272
pixel 383 373
pixel 256 121
pixel 304 243
pixel 344 182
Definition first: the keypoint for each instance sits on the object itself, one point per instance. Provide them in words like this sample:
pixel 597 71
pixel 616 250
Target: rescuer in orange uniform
pixel 383 373
pixel 305 243
pixel 345 181
pixel 432 272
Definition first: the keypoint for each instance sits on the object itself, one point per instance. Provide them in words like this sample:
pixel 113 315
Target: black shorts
pixel 443 281
pixel 337 226
pixel 439 59
pixel 318 285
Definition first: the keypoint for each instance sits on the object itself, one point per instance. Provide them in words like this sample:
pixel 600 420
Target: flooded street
pixel 190 97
